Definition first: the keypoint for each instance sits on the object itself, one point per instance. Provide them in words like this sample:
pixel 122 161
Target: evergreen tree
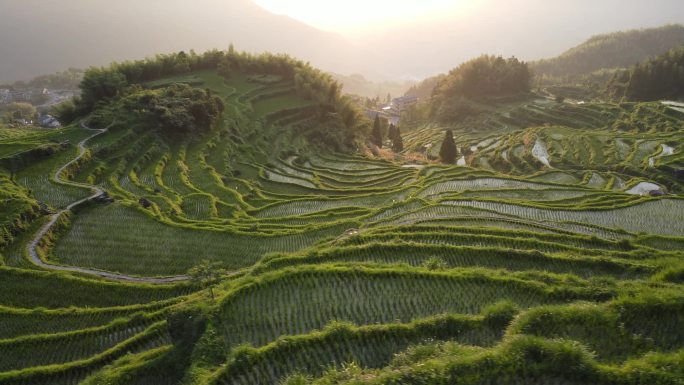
pixel 377 132
pixel 207 275
pixel 224 68
pixel 397 141
pixel 659 78
pixel 448 150
pixel 392 132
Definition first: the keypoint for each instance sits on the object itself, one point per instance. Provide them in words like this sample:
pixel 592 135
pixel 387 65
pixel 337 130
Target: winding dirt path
pixel 31 247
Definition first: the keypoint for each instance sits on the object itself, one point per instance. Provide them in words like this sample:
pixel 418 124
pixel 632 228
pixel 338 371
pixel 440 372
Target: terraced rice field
pixel 333 258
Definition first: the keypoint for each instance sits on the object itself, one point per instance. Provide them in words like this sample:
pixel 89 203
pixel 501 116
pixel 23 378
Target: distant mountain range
pixel 42 37
pixel 612 51
pixel 39 37
pixel 598 58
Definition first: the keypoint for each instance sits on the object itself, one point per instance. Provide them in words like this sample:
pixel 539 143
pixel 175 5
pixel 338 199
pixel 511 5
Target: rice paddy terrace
pixel 542 258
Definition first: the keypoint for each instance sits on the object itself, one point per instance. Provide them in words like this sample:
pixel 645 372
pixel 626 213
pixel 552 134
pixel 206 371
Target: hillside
pixel 206 220
pixel 661 78
pixel 423 90
pixel 458 95
pixel 611 51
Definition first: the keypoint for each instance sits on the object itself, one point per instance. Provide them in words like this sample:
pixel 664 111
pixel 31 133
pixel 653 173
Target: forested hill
pixel 484 78
pixel 657 79
pixel 424 89
pixel 609 51
pixel 117 93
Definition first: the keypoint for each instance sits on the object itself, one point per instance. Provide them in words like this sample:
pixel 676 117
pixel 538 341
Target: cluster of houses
pixel 393 110
pixel 8 96
pixel 48 121
pixel 45 121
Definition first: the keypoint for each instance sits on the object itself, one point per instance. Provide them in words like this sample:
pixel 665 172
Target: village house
pixel 4 96
pixel 9 96
pixel 403 102
pixel 48 121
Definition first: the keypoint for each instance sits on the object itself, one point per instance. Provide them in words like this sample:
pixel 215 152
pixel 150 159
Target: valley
pixel 252 251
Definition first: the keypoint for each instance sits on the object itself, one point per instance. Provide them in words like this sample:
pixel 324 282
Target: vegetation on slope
pixel 542 257
pixel 178 109
pixel 486 76
pixel 454 96
pixel 17 209
pixel 656 79
pixel 610 51
pixel 343 124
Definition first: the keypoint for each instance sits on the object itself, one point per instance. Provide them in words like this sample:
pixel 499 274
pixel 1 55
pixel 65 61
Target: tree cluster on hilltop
pixel 611 51
pixel 424 89
pixel 345 121
pixel 178 108
pixel 657 79
pixel 18 111
pixel 484 78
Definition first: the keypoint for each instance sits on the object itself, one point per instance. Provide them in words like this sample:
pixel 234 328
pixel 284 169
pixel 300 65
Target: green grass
pixel 664 217
pixel 340 343
pixel 38 179
pixel 71 346
pixel 119 238
pixel 297 302
pixel 40 321
pixel 31 289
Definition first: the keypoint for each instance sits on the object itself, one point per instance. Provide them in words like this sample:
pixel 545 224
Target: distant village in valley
pixel 28 104
pixel 390 109
pixel 15 105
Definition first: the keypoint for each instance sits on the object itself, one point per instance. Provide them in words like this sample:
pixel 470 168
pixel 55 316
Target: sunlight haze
pixel 356 16
pixel 341 192
pixel 380 39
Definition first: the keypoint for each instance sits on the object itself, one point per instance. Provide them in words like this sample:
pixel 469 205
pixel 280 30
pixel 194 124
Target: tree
pixel 376 137
pixel 178 108
pixel 448 150
pixel 18 111
pixel 225 68
pixel 100 84
pixel 397 141
pixel 435 263
pixel 207 275
pixel 66 112
pixel 657 79
pixel 392 132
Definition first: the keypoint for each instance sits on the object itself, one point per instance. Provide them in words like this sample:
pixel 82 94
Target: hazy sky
pixel 381 39
pixel 354 17
pixel 357 19
pixel 416 38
